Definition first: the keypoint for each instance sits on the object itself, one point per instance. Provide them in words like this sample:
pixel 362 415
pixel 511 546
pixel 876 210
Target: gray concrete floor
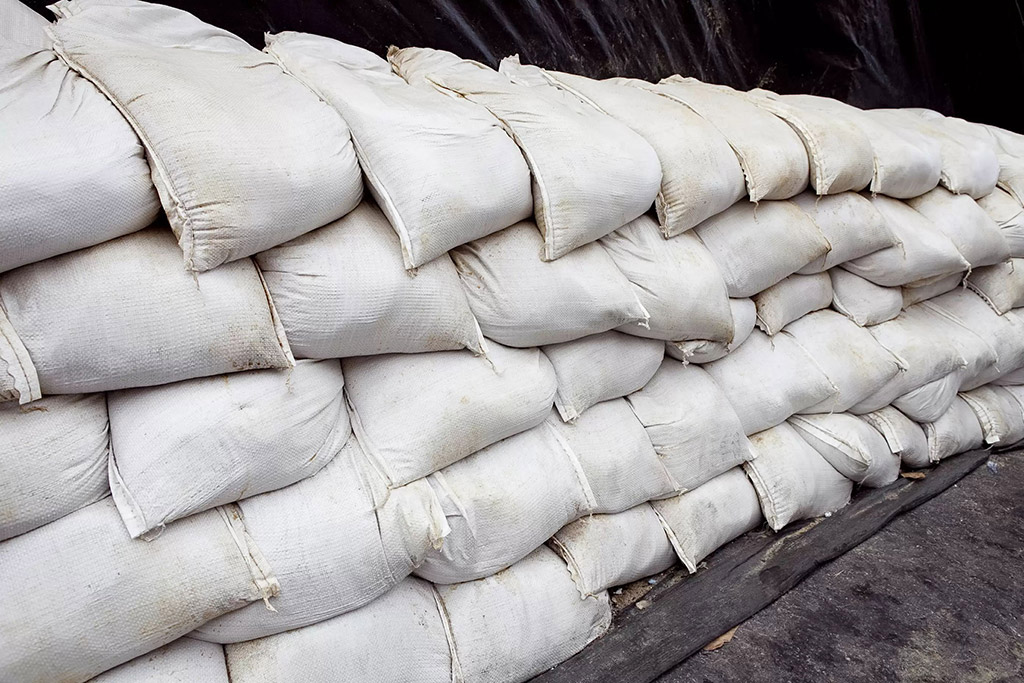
pixel 935 596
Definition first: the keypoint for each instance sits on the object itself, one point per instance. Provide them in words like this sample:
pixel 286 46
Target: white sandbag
pixel 862 301
pixel 126 314
pixel 400 637
pixel 342 291
pixel 417 413
pixel 927 353
pixel 1001 285
pixel 81 597
pixel 906 162
pixel 756 246
pixel 73 173
pixel 1003 333
pixel 700 174
pixel 691 423
pixel 442 170
pixel 186 447
pixel 791 298
pixel 744 316
pixel 1008 214
pixel 244 157
pixel 999 413
pixel 676 280
pixel 183 661
pixel 591 173
pixel 839 152
pixel 601 367
pixel 336 541
pixel 1010 152
pixel 969 162
pixel 924 252
pixel 850 445
pixel 904 437
pixel 853 361
pixel 850 223
pixel 523 301
pixel 1011 378
pixel 792 481
pixel 955 432
pixel 612 550
pixel 768 379
pixel 771 154
pixel 916 293
pixel 53 460
pixel 701 521
pixel 973 232
pixel 929 402
pixel 503 502
pixel 520 622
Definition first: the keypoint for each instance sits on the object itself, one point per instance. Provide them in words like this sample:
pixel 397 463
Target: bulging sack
pixel 73 172
pixel 417 413
pixel 53 460
pixel 243 156
pixel 850 223
pixel 691 423
pixel 183 660
pixel 768 379
pixel 756 246
pixel 591 174
pixel 850 445
pixel 999 412
pixel 100 598
pixel 973 232
pixel 792 481
pixel 790 299
pixel 904 437
pixel 520 300
pixel 112 317
pixel 612 550
pixel 773 158
pixel 676 281
pixel 915 294
pixel 955 432
pixel 1001 285
pixel 442 170
pixel 704 519
pixel 700 174
pixel 342 291
pixel 1008 214
pixel 186 447
pixel 601 367
pixel 862 301
pixel 744 317
pixel 336 541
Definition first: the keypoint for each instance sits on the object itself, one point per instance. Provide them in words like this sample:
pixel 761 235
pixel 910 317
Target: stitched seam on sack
pixel 16 357
pixel 581 476
pixel 275 319
pixel 263 579
pixel 449 634
pixel 687 561
pixel 570 562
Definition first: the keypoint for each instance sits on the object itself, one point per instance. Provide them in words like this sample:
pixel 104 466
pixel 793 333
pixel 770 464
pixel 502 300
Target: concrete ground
pixel 935 596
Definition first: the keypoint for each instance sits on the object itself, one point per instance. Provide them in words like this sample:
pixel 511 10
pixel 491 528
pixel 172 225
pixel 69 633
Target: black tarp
pixel 958 57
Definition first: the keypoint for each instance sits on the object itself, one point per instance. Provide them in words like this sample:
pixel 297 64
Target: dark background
pixel 958 57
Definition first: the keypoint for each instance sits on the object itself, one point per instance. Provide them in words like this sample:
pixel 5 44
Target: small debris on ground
pixel 720 641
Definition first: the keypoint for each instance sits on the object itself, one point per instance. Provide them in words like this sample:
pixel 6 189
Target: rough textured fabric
pixel 744 317
pixel 999 412
pixel 769 379
pixel 183 661
pixel 1001 285
pixel 771 154
pixel 591 174
pixel 601 367
pixel 756 246
pixel 973 232
pixel 73 173
pixel 792 481
pixel 336 541
pixel 1008 214
pixel 790 299
pixel 126 314
pixel 850 223
pixel 701 521
pixel 904 436
pixel 186 447
pixel 603 551
pixel 53 460
pixel 523 301
pixel 915 294
pixel 342 291
pixel 850 445
pixel 676 280
pixel 442 170
pixel 862 301
pixel 100 598
pixel 244 157
pixel 417 413
pixel 955 432
pixel 700 174
pixel 691 423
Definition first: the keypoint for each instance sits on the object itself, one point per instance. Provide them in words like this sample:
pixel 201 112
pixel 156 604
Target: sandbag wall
pixel 320 365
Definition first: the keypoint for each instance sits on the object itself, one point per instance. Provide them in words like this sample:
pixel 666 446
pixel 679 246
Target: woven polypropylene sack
pixel 975 235
pixel 1008 214
pixel 862 301
pixel 955 432
pixel 850 445
pixel 904 436
pixel 850 223
pixel 1001 285
pixel 744 318
pixel 790 299
pixel 999 412
pixel 183 661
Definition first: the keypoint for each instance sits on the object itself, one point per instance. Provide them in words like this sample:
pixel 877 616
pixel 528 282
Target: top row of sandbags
pixel 246 149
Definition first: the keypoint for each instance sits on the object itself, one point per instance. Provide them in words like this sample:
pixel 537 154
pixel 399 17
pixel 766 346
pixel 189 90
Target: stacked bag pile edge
pixel 319 365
